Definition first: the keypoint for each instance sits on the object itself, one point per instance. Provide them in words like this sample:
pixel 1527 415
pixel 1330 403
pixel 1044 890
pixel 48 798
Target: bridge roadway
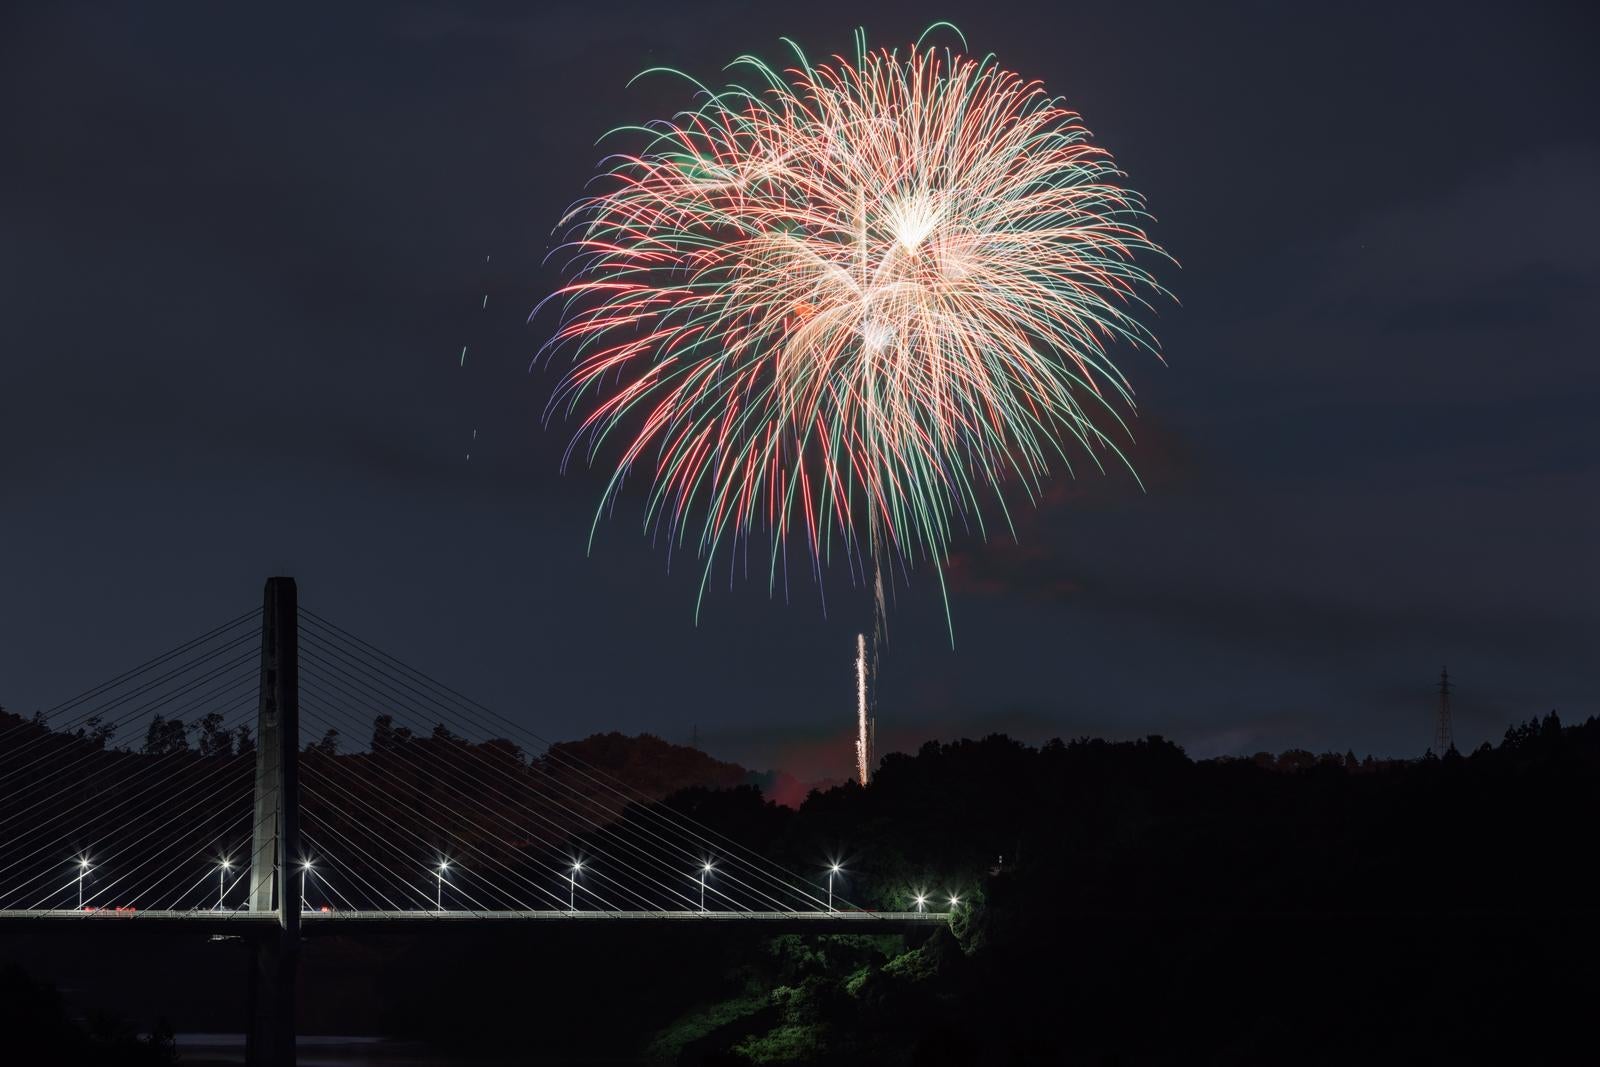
pixel 313 923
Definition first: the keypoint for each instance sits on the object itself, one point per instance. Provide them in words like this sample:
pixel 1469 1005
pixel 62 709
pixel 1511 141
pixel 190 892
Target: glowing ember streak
pixel 863 754
pixel 855 295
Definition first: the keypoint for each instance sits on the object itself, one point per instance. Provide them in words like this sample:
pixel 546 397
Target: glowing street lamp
pixel 83 869
pixel 707 869
pixel 572 885
pixel 223 867
pixel 438 898
pixel 833 870
pixel 305 869
pixel 955 902
pixel 922 902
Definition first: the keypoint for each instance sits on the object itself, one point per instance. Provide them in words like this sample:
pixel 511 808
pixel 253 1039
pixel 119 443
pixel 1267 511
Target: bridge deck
pixel 343 922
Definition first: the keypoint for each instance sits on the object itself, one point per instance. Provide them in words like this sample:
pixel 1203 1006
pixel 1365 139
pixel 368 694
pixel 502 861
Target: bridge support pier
pixel 275 838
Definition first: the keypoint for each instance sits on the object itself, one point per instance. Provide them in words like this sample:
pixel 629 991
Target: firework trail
pixel 880 637
pixel 863 744
pixel 462 362
pixel 848 303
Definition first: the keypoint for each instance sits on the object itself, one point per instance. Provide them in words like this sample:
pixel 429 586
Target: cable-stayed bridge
pixel 451 817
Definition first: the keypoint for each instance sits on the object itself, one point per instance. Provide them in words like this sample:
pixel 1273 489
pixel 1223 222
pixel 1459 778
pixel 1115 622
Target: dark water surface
pixel 216 1050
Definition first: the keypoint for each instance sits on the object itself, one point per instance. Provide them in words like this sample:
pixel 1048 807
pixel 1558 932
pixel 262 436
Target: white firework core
pixel 912 219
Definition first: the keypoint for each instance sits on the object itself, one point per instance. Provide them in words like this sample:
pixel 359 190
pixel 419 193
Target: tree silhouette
pixel 212 738
pixel 165 736
pixel 329 745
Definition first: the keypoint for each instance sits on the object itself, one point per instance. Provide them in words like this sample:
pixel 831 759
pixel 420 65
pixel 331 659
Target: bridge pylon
pixel 275 837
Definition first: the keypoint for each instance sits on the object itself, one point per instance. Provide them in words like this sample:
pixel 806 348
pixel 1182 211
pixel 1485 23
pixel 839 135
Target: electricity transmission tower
pixel 1444 736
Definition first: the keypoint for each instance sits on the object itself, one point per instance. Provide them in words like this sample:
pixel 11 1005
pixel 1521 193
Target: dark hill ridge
pixel 408 799
pixel 654 767
pixel 645 763
pixel 659 768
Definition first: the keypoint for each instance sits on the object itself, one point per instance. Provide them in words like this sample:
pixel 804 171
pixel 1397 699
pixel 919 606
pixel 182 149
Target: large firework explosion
pixel 850 302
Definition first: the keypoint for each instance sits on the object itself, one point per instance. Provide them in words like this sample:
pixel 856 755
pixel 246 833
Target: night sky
pixel 240 254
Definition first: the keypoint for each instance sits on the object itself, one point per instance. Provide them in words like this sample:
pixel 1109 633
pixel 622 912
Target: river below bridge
pixel 227 1050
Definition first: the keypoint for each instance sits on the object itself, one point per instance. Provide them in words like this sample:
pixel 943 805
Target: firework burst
pixel 850 302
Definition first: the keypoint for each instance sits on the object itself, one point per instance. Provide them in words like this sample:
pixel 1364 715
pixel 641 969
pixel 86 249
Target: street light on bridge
pixel 922 901
pixel 707 869
pixel 305 869
pixel 223 867
pixel 955 902
pixel 572 885
pixel 833 870
pixel 83 869
pixel 438 898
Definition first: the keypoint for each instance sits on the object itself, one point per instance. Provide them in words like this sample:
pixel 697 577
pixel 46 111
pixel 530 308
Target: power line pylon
pixel 1444 738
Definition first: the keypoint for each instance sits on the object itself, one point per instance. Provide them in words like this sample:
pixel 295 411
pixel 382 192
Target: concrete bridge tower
pixel 275 837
